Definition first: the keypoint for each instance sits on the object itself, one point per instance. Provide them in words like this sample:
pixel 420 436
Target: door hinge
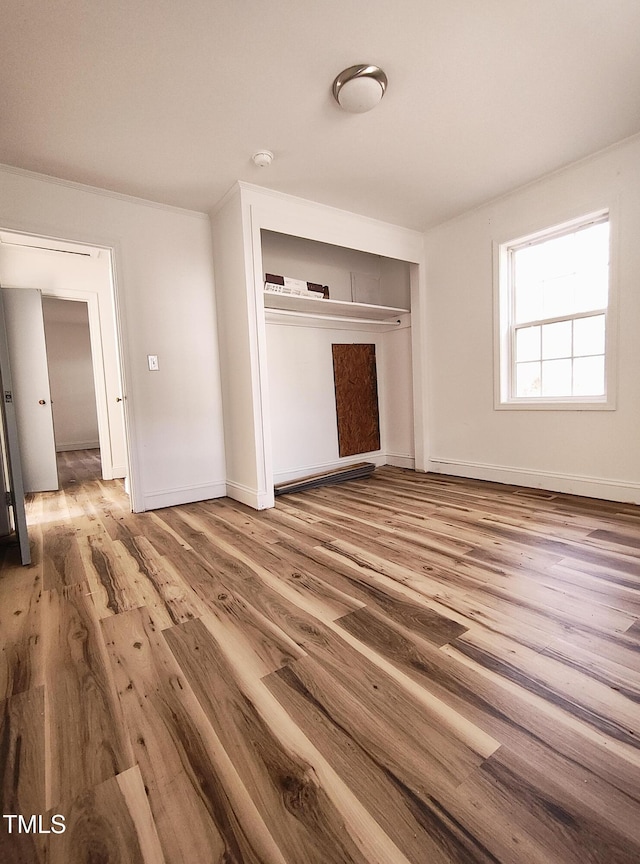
pixel 8 396
pixel 9 498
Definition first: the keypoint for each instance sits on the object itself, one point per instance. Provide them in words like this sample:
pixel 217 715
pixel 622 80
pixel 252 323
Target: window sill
pixel 556 405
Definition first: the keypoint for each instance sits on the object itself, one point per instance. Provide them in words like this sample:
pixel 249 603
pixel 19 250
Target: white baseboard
pixel 320 468
pixel 77 445
pixel 250 497
pixel 591 487
pixel 399 461
pixel 183 495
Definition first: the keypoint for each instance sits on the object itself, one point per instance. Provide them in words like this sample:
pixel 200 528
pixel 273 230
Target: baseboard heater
pixel 350 472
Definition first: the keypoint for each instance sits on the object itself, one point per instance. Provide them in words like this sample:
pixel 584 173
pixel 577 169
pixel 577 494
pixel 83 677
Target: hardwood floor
pixel 409 668
pixel 78 465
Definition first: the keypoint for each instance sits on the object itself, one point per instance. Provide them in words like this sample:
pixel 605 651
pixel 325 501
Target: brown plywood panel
pixel 356 386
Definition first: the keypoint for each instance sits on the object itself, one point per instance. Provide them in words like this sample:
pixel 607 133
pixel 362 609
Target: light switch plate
pixel 152 359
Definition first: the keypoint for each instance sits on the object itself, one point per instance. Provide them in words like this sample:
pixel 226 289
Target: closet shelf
pixel 326 308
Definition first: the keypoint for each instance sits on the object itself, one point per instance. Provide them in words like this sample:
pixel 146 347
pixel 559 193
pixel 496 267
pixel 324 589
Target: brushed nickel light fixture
pixel 359 88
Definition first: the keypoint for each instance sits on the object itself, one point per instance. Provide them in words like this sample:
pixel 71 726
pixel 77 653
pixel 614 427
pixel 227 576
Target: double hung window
pixel 554 302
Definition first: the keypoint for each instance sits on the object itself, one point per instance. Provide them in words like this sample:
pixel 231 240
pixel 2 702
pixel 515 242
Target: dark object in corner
pixel 276 280
pixel 320 289
pixel 359 471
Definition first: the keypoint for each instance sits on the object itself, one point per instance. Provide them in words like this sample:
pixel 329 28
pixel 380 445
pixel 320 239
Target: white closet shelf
pixel 322 308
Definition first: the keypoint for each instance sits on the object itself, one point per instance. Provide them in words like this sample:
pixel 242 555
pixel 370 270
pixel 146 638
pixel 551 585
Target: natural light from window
pixel 558 292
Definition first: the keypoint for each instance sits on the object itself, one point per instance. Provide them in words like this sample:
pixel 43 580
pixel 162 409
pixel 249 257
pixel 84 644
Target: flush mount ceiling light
pixel 359 88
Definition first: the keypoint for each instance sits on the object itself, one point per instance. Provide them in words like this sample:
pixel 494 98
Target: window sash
pixel 512 327
pixel 562 231
pixel 540 321
pixel 567 397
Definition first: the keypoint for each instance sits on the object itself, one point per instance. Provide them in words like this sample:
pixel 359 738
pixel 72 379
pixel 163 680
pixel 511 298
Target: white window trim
pixel 503 314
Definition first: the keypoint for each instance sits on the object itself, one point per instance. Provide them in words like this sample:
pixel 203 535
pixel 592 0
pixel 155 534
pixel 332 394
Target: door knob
pixel 41 402
pixel 118 398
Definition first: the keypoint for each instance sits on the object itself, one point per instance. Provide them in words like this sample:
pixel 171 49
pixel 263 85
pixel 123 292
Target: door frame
pixel 97 365
pixel 116 310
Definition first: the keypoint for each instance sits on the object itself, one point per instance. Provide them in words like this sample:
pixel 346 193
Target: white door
pixel 5 517
pixel 11 467
pixel 31 395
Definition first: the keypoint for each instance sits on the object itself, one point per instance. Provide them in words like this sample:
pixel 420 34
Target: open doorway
pixel 75 284
pixel 73 393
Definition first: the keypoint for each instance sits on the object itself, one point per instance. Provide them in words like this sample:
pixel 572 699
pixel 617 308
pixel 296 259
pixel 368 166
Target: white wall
pixel 73 395
pixel 587 452
pixel 164 289
pixel 304 431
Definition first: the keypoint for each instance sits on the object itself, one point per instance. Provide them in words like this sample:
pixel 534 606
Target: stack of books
pixel 294 287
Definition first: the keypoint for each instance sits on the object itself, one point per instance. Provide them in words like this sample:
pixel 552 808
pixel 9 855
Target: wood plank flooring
pixel 407 668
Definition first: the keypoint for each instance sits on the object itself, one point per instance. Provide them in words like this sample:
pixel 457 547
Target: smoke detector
pixel 263 158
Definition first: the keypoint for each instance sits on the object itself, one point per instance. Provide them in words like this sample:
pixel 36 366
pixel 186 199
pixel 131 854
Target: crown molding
pixel 97 190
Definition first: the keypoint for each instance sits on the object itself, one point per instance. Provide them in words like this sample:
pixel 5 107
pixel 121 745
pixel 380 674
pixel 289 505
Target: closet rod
pixel 289 313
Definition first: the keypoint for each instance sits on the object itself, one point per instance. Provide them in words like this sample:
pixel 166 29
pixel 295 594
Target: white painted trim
pixel 229 195
pixel 400 461
pixel 591 487
pixel 258 355
pixel 97 190
pixel 377 458
pixel 91 298
pixel 326 212
pixel 250 497
pixel 78 445
pixel 184 495
pixel 308 219
pixel 131 473
pixel 419 363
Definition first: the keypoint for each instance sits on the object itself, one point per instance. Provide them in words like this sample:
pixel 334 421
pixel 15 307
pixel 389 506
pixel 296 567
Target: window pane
pixel 527 344
pixel 547 259
pixel 563 275
pixel 559 296
pixel 528 302
pixel 556 340
pixel 591 247
pixel 556 378
pixel 593 290
pixel 527 379
pixel 588 376
pixel 588 336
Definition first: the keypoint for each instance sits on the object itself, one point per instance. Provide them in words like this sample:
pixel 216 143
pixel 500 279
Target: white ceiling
pixel 168 99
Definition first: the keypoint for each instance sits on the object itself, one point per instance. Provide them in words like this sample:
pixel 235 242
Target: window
pixel 554 343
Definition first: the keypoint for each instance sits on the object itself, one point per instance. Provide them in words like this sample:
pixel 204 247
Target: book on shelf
pixel 294 287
